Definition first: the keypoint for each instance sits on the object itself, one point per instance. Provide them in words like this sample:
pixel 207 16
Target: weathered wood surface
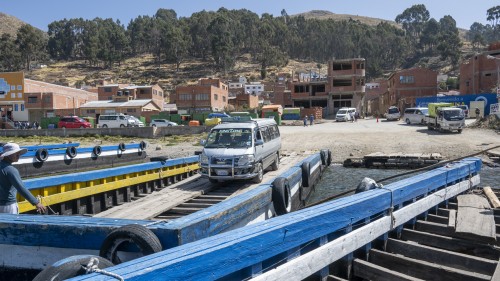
pixel 169 197
pixel 452 219
pixel 423 269
pixel 394 160
pixel 370 271
pixel 475 218
pixel 492 197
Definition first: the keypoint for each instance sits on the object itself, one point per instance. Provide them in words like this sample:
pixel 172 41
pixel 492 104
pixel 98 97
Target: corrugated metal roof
pixel 110 103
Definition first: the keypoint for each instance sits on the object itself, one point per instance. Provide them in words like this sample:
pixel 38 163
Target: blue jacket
pixel 11 183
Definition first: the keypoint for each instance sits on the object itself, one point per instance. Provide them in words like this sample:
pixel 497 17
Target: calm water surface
pixel 337 179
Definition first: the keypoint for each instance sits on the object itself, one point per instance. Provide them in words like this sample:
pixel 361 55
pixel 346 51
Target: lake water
pixel 337 179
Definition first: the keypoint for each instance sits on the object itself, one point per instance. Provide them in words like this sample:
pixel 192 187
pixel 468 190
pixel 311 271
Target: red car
pixel 71 122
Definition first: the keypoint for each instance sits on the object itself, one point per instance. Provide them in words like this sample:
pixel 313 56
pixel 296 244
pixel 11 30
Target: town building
pixel 123 93
pixel 344 86
pixel 29 100
pixel 210 94
pixel 137 108
pixel 254 88
pixel 480 73
pixel 243 101
pixel 404 86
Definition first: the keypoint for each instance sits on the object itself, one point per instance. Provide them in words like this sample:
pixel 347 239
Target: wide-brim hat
pixel 12 148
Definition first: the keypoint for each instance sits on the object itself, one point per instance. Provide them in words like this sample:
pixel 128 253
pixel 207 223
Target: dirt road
pixel 367 136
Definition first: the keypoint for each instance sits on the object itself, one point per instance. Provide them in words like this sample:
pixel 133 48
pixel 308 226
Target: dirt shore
pixel 364 137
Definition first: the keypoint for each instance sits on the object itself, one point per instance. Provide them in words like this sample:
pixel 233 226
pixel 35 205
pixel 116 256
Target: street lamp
pixel 490 57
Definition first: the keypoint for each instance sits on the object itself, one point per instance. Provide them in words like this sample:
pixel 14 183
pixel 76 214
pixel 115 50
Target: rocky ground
pixel 367 136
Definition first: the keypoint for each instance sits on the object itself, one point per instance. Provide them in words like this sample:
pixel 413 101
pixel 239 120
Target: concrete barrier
pixel 142 132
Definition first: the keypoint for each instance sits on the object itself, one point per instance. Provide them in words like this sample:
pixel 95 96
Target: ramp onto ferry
pixel 189 195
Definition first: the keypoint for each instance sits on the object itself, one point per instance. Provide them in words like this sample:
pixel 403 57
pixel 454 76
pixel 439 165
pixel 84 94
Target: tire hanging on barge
pixel 282 197
pixel 42 154
pixel 71 152
pixel 142 237
pixel 70 267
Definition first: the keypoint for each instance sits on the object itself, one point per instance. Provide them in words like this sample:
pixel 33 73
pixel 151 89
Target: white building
pixel 255 88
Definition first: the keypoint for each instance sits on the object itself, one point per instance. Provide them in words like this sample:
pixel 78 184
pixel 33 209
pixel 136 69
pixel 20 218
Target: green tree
pixel 222 44
pixel 493 15
pixel 10 57
pixel 449 46
pixel 32 44
pixel 477 35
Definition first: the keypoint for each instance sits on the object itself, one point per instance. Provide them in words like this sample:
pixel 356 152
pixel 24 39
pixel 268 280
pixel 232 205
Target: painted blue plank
pixel 218 218
pixel 57 151
pixel 32 184
pixel 58 231
pixel 50 146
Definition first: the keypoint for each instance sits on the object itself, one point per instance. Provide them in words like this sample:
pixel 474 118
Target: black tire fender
pixel 306 174
pixel 70 267
pixel 121 146
pixel 142 145
pixel 42 154
pixel 97 150
pixel 282 197
pixel 71 152
pixel 136 234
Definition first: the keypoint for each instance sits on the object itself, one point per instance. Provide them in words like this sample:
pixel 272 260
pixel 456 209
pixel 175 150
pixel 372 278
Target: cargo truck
pixel 445 117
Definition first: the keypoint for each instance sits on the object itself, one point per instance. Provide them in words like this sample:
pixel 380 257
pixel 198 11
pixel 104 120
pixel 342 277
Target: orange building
pixel 406 85
pixel 124 93
pixel 29 100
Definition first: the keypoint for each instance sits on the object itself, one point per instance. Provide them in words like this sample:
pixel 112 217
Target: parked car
pixel 393 113
pixel 115 121
pixel 215 118
pixel 162 123
pixel 465 108
pixel 73 122
pixel 415 115
pixel 136 122
pixel 344 114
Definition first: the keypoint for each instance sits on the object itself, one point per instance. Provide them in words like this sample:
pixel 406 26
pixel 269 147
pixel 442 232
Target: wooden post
pixel 495 203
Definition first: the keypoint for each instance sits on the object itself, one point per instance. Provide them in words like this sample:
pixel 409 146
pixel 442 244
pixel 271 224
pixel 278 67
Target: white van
pixel 392 113
pixel 415 115
pixel 344 114
pixel 241 150
pixel 115 121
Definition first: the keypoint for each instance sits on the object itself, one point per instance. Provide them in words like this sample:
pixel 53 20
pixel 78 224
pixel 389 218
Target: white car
pixel 135 121
pixel 162 123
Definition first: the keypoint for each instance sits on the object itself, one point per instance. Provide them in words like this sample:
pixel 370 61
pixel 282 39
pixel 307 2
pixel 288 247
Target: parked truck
pixel 445 117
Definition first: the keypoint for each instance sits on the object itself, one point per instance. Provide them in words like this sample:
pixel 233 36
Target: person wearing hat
pixel 11 182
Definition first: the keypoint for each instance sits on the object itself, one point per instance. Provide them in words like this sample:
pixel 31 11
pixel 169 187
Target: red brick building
pixel 244 101
pixel 124 93
pixel 48 100
pixel 208 95
pixel 406 85
pixel 479 74
pixel 344 86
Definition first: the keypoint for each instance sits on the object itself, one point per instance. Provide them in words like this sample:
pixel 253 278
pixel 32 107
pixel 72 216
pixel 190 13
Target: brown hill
pixel 9 24
pixel 323 15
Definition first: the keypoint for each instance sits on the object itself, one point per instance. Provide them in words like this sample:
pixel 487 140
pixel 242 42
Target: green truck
pixel 445 117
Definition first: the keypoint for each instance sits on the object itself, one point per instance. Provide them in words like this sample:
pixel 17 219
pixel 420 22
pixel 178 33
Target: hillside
pixel 9 24
pixel 324 15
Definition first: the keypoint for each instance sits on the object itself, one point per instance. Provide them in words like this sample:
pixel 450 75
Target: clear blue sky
pixel 40 13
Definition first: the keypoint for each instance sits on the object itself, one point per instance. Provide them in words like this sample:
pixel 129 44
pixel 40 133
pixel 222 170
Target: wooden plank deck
pixel 475 218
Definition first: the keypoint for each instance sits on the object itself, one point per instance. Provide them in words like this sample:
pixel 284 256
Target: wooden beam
pixel 452 244
pixel 423 269
pixel 475 219
pixel 452 219
pixel 370 271
pixel 441 257
pixel 491 197
pixel 496 274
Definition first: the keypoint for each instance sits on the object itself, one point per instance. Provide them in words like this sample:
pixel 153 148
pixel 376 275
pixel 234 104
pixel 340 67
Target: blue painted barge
pixel 53 238
pixel 308 243
pixel 43 160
